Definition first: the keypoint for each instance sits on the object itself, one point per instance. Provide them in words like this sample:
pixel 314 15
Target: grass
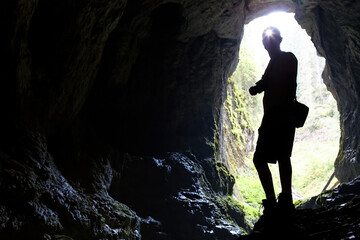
pixel 313 164
pixel 313 160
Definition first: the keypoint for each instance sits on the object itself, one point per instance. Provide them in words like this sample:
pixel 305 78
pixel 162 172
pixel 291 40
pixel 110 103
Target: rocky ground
pixel 173 196
pixel 333 215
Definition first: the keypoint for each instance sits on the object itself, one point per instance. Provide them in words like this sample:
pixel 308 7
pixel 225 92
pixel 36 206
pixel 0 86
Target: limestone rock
pixel 37 202
pixel 334 34
pixel 174 190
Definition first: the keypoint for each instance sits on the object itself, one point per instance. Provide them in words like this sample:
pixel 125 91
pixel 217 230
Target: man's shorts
pixel 275 141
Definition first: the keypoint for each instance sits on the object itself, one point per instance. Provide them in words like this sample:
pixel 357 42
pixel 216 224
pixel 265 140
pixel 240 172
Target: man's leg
pixel 285 170
pixel 265 178
pixel 285 198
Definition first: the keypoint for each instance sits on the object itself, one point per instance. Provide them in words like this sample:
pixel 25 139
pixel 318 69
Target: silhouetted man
pixel 276 133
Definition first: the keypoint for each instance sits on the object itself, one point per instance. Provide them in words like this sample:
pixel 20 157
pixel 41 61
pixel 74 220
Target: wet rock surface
pixel 174 189
pixel 173 196
pixel 331 216
pixel 37 202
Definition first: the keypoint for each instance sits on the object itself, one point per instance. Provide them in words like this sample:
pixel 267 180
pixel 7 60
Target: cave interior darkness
pixel 112 113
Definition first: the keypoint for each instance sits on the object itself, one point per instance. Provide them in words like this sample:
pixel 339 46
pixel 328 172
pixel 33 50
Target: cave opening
pixel 316 145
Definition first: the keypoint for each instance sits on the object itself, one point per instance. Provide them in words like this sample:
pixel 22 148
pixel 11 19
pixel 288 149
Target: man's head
pixel 271 38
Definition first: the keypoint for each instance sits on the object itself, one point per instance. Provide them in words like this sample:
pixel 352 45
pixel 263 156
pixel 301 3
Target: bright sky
pixel 285 22
pixel 289 28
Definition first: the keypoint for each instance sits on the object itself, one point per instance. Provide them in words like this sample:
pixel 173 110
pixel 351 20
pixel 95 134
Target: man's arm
pixel 258 88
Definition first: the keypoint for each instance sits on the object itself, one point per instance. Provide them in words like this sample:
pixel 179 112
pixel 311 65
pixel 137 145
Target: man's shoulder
pixel 289 56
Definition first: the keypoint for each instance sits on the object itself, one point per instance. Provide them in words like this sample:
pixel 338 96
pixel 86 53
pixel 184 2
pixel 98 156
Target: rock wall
pixel 144 75
pixel 336 36
pixel 85 82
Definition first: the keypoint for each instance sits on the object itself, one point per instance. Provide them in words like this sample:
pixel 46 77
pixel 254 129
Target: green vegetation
pixel 236 108
pixel 249 185
pixel 226 179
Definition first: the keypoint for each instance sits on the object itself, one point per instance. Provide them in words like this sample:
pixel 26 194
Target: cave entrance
pixel 316 144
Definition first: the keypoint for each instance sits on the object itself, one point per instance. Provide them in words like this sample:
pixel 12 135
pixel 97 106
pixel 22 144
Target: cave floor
pixel 337 218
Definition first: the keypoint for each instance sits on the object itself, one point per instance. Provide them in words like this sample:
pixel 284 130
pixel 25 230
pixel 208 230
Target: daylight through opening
pixel 316 144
